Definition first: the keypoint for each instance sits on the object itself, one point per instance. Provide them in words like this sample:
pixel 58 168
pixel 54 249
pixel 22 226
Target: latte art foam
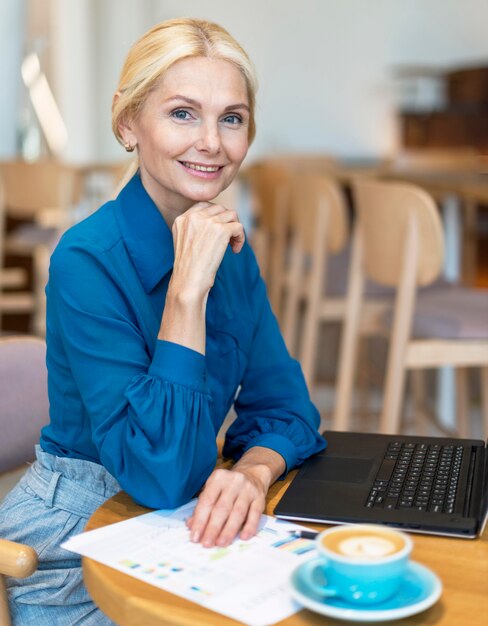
pixel 367 547
pixel 370 545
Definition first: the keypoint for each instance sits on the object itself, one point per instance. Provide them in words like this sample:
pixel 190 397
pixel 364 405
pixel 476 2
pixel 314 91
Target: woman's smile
pixel 201 170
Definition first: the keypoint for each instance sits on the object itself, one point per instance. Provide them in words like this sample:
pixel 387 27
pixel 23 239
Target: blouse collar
pixel 147 236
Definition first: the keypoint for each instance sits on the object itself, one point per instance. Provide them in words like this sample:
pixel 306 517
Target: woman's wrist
pixel 263 464
pixel 186 298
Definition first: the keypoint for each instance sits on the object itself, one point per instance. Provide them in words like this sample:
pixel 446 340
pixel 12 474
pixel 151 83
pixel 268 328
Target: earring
pixel 128 147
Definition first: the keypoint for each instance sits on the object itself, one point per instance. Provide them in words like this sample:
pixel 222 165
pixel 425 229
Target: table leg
pixel 446 381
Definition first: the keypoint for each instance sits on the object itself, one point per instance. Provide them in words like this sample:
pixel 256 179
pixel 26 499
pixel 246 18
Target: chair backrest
pixel 269 180
pixel 386 211
pixel 30 187
pixel 269 186
pixel 312 195
pixel 266 180
pixel 24 406
pixel 317 225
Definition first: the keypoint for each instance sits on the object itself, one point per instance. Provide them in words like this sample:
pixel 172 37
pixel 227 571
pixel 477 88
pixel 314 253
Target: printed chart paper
pixel 248 580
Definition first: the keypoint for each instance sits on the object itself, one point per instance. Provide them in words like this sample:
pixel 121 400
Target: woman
pixel 157 323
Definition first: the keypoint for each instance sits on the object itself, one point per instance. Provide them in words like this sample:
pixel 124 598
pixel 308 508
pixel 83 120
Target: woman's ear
pixel 125 127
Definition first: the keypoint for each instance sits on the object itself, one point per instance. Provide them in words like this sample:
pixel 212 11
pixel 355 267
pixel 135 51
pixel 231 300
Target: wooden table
pixel 461 564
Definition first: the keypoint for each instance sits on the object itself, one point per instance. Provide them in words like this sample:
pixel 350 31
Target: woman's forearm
pixel 183 320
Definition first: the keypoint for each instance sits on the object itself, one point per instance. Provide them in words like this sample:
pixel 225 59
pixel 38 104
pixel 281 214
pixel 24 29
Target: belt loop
pixel 48 500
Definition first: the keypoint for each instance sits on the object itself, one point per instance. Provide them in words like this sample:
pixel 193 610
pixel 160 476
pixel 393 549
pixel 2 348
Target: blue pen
pixel 304 534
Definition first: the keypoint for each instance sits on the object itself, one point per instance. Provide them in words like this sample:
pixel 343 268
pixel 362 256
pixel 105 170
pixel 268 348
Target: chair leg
pixel 349 338
pixel 396 363
pixel 462 402
pixel 417 378
pixel 363 380
pixel 291 301
pixel 4 608
pixel 311 325
pixel 308 353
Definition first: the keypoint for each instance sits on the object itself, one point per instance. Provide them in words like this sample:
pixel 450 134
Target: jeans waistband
pixel 61 482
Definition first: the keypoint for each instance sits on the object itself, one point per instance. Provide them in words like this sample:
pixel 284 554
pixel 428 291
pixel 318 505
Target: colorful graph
pixel 130 564
pixel 294 544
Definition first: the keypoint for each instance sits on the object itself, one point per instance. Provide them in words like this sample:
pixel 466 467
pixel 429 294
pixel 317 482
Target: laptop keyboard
pixel 419 476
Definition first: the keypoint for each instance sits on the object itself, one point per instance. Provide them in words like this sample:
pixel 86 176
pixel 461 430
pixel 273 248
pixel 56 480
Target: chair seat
pixel 453 312
pixel 338 272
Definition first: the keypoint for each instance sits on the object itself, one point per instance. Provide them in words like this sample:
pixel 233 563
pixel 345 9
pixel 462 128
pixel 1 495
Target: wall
pixel 11 47
pixel 325 66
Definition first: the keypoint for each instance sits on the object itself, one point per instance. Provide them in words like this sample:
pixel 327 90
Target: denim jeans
pixel 52 502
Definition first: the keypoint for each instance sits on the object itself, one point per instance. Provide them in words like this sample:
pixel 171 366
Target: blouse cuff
pixel 179 364
pixel 279 444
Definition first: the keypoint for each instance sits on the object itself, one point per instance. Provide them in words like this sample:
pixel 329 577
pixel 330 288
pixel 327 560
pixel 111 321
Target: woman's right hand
pixel 201 236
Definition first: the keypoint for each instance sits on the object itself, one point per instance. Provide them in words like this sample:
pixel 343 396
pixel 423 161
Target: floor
pixel 8 480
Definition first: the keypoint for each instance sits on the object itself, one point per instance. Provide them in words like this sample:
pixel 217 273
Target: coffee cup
pixel 362 564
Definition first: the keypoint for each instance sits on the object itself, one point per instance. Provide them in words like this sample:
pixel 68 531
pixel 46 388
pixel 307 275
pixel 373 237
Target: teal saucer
pixel 420 589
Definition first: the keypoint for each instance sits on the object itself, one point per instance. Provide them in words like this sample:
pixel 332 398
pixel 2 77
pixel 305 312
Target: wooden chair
pixel 399 243
pixel 40 196
pixel 19 561
pixel 314 280
pixel 16 300
pixel 306 231
pixel 317 221
pixel 269 189
pixel 269 182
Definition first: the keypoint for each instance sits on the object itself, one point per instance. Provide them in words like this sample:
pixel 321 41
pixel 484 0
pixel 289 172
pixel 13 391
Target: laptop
pixel 434 485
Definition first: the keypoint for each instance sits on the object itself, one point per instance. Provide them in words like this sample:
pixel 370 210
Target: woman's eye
pixel 232 119
pixel 181 114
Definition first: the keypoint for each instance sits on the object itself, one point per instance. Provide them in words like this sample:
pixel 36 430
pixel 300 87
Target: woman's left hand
pixel 232 501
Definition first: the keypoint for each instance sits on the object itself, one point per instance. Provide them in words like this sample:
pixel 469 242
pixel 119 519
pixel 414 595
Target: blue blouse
pixel 149 410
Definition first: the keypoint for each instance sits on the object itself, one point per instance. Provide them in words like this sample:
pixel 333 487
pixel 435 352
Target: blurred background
pixel 343 77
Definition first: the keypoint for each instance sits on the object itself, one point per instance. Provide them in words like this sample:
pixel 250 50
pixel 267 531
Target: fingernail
pixel 195 536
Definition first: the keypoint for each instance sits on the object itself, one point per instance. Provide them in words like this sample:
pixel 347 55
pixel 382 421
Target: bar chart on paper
pixel 248 580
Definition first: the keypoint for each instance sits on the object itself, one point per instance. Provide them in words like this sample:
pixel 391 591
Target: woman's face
pixel 191 133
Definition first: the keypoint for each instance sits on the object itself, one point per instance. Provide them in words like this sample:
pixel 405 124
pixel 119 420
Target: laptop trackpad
pixel 338 470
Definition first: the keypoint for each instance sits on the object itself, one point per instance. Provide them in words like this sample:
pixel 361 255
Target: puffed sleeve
pixel 273 406
pixel 149 413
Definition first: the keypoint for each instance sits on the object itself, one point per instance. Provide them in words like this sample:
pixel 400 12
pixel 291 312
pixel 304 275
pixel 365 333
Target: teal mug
pixel 362 564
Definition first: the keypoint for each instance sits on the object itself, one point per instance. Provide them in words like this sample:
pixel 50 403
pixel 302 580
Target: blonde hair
pixel 165 44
